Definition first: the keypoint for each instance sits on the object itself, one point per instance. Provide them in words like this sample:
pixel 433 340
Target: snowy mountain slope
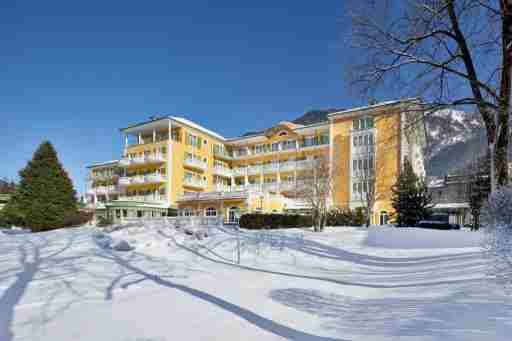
pixel 454 139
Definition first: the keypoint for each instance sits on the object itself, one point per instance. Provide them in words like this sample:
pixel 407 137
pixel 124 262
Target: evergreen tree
pixel 410 198
pixel 45 196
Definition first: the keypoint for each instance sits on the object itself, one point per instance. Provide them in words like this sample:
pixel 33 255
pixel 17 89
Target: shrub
pixel 77 218
pixel 104 221
pixel 341 217
pixel 274 221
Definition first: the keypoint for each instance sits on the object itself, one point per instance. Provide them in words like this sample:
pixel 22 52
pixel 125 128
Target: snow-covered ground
pixel 343 284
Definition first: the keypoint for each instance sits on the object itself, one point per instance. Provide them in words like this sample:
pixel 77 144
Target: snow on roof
pixel 373 106
pixel 197 126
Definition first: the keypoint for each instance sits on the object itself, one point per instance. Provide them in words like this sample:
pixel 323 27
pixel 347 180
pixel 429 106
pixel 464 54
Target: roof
pixel 373 106
pixel 178 119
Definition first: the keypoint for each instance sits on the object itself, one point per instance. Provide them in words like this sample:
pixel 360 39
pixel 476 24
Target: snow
pixel 417 238
pixel 341 284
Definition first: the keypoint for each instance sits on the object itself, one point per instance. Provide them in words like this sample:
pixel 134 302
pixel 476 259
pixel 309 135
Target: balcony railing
pixel 141 179
pixel 253 170
pixel 104 190
pixel 222 171
pixel 194 183
pixel 196 163
pixel 270 168
pixel 144 198
pixel 239 171
pixel 154 158
pixel 223 154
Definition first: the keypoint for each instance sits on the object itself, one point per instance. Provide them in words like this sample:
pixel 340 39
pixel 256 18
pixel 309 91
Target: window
pixel 211 212
pixel 193 140
pixel 187 212
pixel 118 213
pixel 290 144
pixel 283 133
pixel 275 146
pixel 205 142
pixel 363 123
pixel 125 213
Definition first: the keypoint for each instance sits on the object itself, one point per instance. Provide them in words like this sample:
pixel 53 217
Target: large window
pixel 290 144
pixel 193 140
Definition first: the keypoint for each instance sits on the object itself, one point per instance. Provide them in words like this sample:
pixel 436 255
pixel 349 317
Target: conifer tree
pixel 45 196
pixel 410 199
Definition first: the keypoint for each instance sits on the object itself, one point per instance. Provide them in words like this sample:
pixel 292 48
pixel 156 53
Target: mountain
pixel 454 138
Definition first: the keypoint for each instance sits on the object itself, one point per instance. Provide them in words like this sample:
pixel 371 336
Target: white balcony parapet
pixel 196 163
pixel 195 183
pixel 222 171
pixel 239 171
pixel 152 158
pixel 141 179
pixel 253 170
pixel 144 198
pixel 270 168
pixel 213 195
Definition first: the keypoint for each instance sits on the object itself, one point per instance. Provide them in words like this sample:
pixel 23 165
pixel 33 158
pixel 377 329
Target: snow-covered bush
pixel 498 219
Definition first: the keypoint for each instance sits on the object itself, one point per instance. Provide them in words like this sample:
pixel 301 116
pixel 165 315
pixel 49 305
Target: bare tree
pixel 314 187
pixel 452 53
pixel 478 187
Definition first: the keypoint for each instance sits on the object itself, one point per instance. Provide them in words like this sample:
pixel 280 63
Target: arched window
pixel 211 212
pixel 234 215
pixel 283 133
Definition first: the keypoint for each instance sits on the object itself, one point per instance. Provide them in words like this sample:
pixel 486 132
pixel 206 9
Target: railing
pixel 104 190
pixel 195 163
pixel 222 171
pixel 270 168
pixel 153 158
pixel 144 198
pixel 194 182
pixel 253 170
pixel 213 195
pixel 239 171
pixel 223 154
pixel 141 179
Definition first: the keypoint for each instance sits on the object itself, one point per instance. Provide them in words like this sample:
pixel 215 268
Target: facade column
pixel 154 135
pixel 139 138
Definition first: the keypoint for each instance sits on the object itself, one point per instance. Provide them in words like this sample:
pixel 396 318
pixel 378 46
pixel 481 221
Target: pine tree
pixel 45 196
pixel 410 198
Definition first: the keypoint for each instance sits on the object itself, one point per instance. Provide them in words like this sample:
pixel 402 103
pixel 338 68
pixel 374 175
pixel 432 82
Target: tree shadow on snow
pixel 249 316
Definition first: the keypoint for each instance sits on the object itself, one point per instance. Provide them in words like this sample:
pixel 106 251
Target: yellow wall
pixel 341 161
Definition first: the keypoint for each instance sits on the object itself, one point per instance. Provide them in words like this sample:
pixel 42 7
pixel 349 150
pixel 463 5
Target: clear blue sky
pixel 74 72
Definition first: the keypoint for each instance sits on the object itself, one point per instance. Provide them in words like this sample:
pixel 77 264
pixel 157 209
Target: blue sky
pixel 74 72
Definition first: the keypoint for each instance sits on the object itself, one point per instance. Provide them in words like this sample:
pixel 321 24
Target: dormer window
pixel 283 133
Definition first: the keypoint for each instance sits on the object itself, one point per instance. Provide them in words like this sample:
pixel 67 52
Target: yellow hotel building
pixel 171 164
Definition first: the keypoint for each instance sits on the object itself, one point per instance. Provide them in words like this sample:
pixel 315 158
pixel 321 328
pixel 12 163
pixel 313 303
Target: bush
pixel 344 217
pixel 77 218
pixel 258 221
pixel 104 221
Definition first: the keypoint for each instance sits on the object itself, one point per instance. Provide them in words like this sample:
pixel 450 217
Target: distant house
pixel 4 198
pixel 450 196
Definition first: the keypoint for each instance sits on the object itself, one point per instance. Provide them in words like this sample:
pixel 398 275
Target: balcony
pixel 270 187
pixel 239 171
pixel 144 198
pixel 223 154
pixel 195 163
pixel 104 190
pixel 197 183
pixel 222 171
pixel 149 159
pixel 213 195
pixel 141 179
pixel 270 168
pixel 252 170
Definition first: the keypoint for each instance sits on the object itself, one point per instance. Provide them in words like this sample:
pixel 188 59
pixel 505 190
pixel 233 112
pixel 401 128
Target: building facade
pixel 450 198
pixel 171 164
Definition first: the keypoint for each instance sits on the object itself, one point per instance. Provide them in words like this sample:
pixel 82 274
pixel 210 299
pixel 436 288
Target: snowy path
pixel 337 285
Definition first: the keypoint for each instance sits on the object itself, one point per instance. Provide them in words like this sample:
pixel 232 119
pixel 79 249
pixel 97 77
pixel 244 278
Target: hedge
pixel 256 221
